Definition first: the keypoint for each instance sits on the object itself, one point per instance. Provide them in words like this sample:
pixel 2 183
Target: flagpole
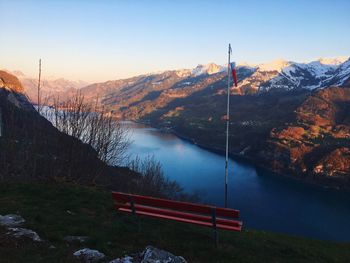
pixel 227 121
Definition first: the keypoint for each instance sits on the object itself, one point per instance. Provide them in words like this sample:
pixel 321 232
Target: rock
pixel 70 212
pixel 23 232
pixel 155 255
pixel 89 255
pixel 76 239
pixel 10 82
pixel 151 255
pixel 126 259
pixel 11 220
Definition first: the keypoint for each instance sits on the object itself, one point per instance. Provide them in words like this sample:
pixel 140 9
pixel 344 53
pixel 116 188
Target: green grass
pixel 55 211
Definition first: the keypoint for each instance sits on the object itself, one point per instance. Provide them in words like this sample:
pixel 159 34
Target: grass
pixel 55 211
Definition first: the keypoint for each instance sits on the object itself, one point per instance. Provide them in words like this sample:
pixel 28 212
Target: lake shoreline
pixel 253 189
pixel 247 160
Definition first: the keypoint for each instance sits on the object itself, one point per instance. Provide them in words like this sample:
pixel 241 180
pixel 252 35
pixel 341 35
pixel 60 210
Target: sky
pixel 102 40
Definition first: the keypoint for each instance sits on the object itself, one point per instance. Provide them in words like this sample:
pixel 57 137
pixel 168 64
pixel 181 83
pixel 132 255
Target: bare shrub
pixel 153 182
pixel 92 124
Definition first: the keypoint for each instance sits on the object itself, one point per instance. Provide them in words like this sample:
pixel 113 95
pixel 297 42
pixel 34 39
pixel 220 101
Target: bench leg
pixel 216 237
pixel 132 202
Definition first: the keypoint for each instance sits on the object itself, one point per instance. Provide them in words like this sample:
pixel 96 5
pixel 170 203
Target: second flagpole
pixel 227 120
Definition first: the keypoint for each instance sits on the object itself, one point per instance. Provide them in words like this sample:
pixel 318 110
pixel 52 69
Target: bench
pixel 203 215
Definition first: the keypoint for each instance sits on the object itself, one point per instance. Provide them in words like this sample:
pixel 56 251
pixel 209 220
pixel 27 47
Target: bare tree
pixel 93 125
pixel 153 182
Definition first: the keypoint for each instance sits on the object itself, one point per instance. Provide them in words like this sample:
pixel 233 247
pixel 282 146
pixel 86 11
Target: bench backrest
pixel 175 205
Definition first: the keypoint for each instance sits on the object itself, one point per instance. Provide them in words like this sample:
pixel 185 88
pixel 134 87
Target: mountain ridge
pixel 163 87
pixel 274 74
pixel 50 86
pixel 267 76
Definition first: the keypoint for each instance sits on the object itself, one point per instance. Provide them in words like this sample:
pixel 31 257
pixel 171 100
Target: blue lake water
pixel 266 201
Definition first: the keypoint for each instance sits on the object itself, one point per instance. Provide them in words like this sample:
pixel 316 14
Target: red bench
pixel 203 215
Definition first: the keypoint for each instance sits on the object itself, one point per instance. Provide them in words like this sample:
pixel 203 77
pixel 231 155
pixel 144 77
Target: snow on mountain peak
pixel 183 72
pixel 209 69
pixel 247 65
pixel 276 65
pixel 333 61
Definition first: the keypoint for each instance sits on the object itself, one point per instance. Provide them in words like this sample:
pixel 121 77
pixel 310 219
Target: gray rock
pixel 151 255
pixel 70 212
pixel 89 255
pixel 23 232
pixel 76 239
pixel 11 220
pixel 155 255
pixel 126 259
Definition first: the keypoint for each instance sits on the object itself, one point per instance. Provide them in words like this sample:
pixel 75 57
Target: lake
pixel 266 201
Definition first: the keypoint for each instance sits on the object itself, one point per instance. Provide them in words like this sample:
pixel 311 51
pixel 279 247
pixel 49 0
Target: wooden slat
pixel 227 212
pixel 168 212
pixel 175 205
pixel 184 220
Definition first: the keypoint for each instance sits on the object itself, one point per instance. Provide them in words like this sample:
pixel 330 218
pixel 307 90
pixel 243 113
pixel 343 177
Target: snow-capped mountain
pixel 277 74
pixel 209 69
pixel 281 74
pixel 276 65
pixel 200 70
pixel 333 61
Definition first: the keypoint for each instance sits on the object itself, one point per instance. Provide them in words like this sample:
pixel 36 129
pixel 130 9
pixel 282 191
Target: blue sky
pixel 103 40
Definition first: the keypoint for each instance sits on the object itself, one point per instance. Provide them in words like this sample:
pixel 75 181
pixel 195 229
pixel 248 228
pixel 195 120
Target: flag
pixel 234 73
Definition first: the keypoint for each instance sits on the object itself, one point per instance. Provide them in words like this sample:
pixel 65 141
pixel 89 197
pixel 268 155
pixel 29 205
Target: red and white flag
pixel 234 73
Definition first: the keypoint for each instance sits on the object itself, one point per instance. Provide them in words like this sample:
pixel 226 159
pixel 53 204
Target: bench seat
pixel 203 215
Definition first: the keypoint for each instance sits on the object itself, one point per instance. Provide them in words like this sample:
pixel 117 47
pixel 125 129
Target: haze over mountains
pixel 254 78
pixel 50 86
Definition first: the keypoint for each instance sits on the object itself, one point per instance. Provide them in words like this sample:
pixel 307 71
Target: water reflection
pixel 267 201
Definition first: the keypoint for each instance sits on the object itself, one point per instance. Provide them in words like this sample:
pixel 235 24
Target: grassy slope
pixel 90 212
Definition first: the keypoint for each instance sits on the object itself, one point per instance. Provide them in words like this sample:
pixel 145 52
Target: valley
pixel 288 117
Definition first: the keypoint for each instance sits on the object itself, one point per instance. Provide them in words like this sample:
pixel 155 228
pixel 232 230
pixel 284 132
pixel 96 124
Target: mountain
pixel 124 93
pixel 272 110
pixel 208 69
pixel 31 149
pixel 281 74
pixel 316 143
pixel 136 97
pixel 50 86
pixel 10 82
pixel 289 117
pixel 14 90
pixel 301 133
pixel 130 98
